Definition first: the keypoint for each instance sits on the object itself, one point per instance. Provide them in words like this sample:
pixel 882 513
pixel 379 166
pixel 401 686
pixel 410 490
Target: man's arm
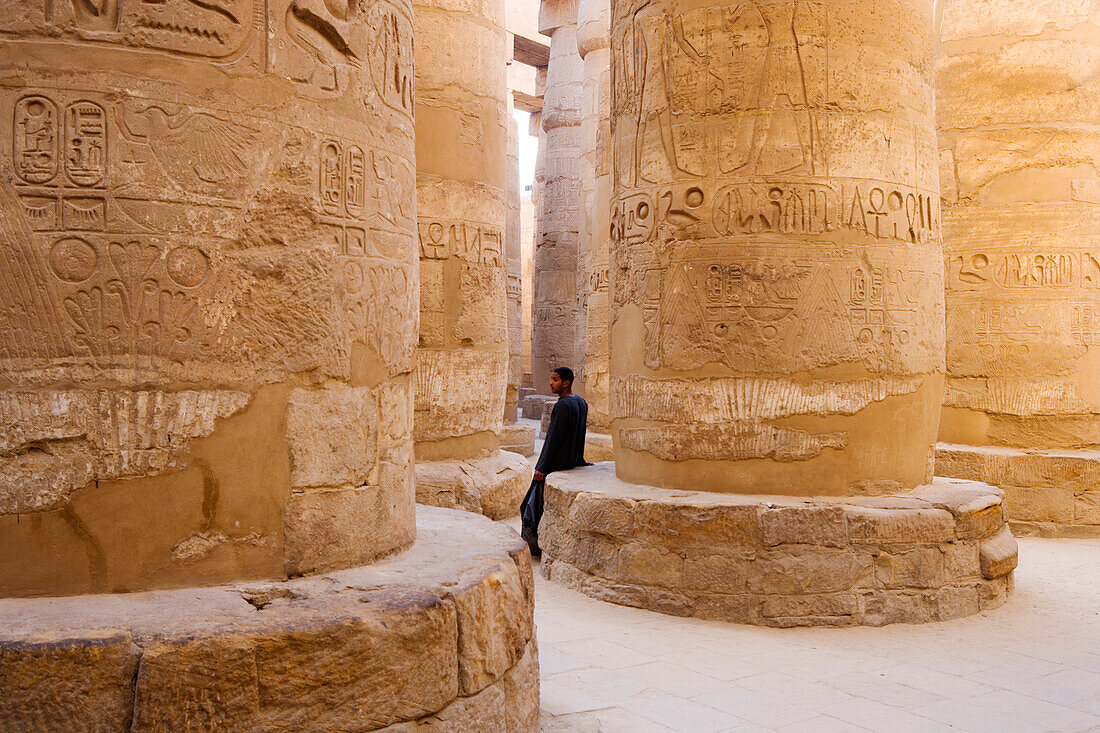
pixel 550 444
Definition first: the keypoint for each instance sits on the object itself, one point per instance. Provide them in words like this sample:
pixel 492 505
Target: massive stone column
pixel 461 191
pixel 514 274
pixel 207 328
pixel 777 327
pixel 514 436
pixel 560 281
pixel 593 43
pixel 1020 153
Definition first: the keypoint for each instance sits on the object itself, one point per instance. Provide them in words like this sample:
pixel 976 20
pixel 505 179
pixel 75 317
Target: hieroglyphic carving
pixel 473 243
pixel 752 69
pixel 35 133
pixel 766 222
pixel 211 29
pixel 166 264
pixel 203 152
pixel 1015 310
pixel 365 233
pixel 391 56
pixel 104 185
pixel 323 46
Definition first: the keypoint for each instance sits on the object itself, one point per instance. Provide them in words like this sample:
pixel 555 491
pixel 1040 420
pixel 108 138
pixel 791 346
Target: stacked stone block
pixel 938 552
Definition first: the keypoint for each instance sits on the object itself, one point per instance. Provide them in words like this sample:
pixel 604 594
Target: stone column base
pixel 493 485
pixel 1047 493
pixel 518 439
pixel 440 635
pixel 598 448
pixel 939 552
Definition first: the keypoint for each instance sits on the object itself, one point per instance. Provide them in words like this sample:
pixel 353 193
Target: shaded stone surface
pixel 931 554
pixel 1017 106
pixel 463 360
pixel 493 485
pixel 428 638
pixel 513 257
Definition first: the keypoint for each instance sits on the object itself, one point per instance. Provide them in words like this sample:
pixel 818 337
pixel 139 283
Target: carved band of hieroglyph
pixel 475 243
pixel 738 441
pixel 877 210
pixel 1014 324
pixel 1018 396
pixel 1045 273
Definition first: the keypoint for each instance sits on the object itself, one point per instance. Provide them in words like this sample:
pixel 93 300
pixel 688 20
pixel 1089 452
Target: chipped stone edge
pixel 96 661
pixel 493 485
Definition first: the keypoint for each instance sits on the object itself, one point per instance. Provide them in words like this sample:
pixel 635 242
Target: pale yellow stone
pixel 560 279
pixel 209 284
pixel 1018 101
pixel 776 324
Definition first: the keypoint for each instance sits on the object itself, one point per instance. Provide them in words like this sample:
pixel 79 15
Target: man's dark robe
pixel 562 450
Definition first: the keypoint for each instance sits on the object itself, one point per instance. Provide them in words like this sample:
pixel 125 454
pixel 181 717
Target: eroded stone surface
pixel 775 254
pixel 207 296
pixel 427 638
pixel 934 553
pixel 1018 105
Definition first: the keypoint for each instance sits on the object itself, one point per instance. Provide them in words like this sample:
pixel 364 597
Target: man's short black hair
pixel 565 373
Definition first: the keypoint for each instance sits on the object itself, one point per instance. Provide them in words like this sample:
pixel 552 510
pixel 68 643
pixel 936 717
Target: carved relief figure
pixel 782 132
pixel 651 57
pixel 199 151
pixel 96 15
pixel 319 30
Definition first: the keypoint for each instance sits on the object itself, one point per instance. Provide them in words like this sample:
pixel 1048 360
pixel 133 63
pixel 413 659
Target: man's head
pixel 561 381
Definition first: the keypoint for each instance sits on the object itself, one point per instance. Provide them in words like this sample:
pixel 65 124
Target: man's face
pixel 556 385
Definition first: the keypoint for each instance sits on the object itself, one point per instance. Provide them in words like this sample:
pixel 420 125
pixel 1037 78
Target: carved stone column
pixel 514 437
pixel 560 282
pixel 1019 156
pixel 461 187
pixel 593 43
pixel 207 334
pixel 514 275
pixel 776 327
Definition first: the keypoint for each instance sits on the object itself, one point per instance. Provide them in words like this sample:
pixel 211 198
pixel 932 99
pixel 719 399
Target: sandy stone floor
pixel 1033 665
